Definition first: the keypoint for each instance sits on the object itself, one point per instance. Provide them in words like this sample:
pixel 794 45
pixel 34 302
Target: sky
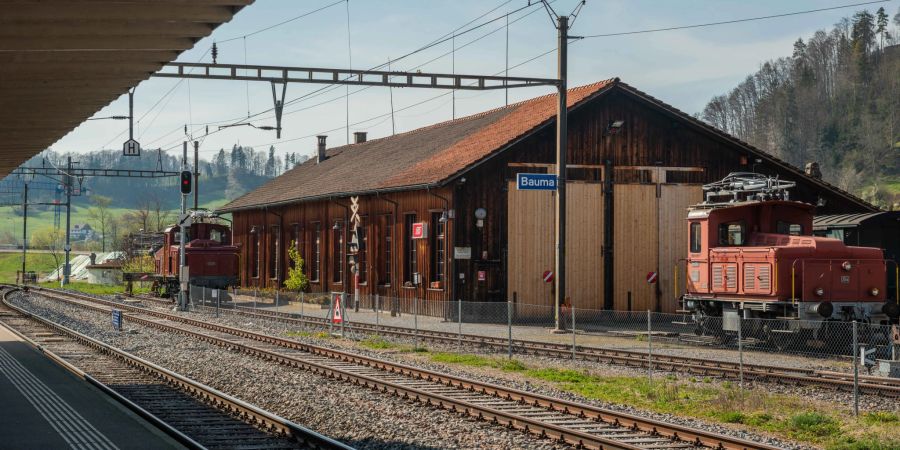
pixel 685 68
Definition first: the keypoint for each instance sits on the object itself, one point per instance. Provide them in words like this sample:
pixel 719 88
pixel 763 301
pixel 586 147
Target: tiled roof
pixel 431 155
pixel 418 158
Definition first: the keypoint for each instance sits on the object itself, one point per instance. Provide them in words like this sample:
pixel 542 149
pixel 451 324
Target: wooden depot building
pixel 442 218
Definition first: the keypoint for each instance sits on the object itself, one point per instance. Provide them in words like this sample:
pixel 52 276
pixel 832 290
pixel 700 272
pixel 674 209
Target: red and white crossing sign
pixel 548 276
pixel 337 313
pixel 651 277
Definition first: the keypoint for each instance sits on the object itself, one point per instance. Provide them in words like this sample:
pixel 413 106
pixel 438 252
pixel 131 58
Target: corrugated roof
pixel 431 155
pixel 849 220
pixel 418 158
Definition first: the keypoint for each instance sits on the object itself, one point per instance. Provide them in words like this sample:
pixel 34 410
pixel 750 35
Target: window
pixel 317 251
pixel 337 241
pixel 695 237
pixel 254 252
pixel 362 258
pixel 274 250
pixel 793 229
pixel 216 235
pixel 410 267
pixel 387 249
pixel 296 242
pixel 732 233
pixel 437 247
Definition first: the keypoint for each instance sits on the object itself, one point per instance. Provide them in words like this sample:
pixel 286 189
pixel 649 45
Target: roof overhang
pixel 61 61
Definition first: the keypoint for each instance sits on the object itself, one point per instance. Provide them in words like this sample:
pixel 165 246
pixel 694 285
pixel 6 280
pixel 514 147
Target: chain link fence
pixel 819 347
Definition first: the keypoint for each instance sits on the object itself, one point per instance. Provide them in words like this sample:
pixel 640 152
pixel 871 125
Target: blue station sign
pixel 535 182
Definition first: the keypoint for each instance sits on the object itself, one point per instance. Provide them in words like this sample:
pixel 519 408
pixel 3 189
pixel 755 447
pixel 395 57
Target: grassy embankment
pixel 788 416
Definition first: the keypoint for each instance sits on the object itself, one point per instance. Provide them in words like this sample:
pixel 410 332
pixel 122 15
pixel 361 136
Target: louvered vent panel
pixel 765 277
pixel 731 278
pixel 749 277
pixel 717 277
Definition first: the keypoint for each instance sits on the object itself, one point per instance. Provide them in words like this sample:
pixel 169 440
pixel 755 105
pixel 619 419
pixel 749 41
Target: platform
pixel 46 406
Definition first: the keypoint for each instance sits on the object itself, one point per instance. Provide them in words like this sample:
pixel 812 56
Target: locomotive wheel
pixel 776 337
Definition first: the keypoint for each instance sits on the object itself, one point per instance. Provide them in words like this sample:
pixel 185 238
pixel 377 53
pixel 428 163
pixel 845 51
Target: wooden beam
pixel 93 10
pixel 94 43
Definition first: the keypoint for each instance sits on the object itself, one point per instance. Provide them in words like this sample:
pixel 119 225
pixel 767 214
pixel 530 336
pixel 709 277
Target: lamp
pixel 614 127
pixel 444 217
pixel 337 225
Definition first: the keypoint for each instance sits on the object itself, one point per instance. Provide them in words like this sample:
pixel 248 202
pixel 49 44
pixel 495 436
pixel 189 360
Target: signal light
pixel 186 179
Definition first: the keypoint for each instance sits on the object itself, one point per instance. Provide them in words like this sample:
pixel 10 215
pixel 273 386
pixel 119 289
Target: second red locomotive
pixel 211 257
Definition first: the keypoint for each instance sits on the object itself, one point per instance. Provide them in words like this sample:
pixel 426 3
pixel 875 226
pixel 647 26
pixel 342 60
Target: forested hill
pixel 836 101
pixel 225 176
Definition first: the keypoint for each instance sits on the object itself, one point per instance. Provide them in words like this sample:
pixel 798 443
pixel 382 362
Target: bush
pixel 296 279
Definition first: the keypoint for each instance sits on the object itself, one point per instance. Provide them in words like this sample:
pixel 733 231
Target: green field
pixel 11 223
pixel 42 263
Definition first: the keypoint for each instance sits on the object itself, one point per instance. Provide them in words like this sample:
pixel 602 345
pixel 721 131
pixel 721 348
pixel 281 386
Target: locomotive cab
pixel 754 255
pixel 209 253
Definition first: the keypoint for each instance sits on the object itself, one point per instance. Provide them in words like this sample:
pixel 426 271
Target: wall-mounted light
pixel 337 225
pixel 444 217
pixel 253 230
pixel 614 127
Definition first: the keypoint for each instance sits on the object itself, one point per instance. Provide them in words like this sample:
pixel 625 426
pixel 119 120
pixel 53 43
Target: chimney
pixel 320 155
pixel 812 170
pixel 359 137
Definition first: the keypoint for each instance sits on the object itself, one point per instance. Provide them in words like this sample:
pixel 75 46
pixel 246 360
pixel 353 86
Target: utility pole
pixel 67 268
pixel 561 145
pixel 182 298
pixel 196 185
pixel 24 229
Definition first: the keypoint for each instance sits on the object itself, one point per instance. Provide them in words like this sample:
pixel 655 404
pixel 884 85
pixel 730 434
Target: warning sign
pixel 337 312
pixel 548 276
pixel 651 277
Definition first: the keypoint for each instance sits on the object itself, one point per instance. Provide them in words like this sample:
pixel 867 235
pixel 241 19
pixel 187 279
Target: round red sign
pixel 548 276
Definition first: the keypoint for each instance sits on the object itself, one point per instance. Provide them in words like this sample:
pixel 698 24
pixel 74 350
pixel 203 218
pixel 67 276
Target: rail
pixel 225 401
pixel 442 398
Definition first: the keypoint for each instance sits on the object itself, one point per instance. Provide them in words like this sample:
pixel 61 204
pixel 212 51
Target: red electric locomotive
pixel 751 254
pixel 211 257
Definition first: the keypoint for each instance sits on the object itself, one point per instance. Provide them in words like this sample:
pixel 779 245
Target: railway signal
pixel 186 182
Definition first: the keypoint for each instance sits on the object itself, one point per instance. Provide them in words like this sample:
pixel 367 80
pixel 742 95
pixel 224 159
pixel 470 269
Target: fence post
pixel 302 298
pixel 741 354
pixel 416 323
pixel 459 319
pixel 218 296
pixel 328 318
pixel 343 312
pixel 649 348
pixel 377 305
pixel 572 307
pixel 855 370
pixel 509 328
pixel 277 291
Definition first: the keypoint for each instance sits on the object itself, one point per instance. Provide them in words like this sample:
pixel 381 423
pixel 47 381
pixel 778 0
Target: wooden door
pixel 531 245
pixel 674 200
pixel 635 246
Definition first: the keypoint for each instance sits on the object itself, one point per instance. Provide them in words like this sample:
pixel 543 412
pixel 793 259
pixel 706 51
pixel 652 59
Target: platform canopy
pixel 61 61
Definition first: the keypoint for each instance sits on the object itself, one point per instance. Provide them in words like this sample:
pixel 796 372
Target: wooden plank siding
pixel 376 210
pixel 649 231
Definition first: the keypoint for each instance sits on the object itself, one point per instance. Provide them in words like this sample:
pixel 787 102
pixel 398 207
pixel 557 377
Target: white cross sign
pixel 354 209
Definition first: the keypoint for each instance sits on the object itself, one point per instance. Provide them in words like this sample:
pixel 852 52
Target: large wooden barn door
pixel 635 246
pixel 530 241
pixel 674 201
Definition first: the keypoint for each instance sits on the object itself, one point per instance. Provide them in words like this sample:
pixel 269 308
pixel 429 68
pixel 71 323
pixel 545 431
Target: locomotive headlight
pixel 874 292
pixel 820 292
pixel 847 266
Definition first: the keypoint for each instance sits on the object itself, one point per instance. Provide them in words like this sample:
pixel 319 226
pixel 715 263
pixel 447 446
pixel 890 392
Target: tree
pixel 220 165
pixel 100 214
pixel 51 238
pixel 881 23
pixel 296 279
pixel 270 170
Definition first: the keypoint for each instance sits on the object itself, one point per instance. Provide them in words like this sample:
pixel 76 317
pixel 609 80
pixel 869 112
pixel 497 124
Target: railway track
pixel 872 385
pixel 577 424
pixel 194 414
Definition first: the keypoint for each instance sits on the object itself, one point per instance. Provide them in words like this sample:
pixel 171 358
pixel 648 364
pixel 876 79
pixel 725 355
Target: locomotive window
pixel 793 229
pixel 215 235
pixel 732 233
pixel 695 237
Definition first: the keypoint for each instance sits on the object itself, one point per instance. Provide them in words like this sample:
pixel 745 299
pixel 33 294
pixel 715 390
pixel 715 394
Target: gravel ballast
pixel 357 416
